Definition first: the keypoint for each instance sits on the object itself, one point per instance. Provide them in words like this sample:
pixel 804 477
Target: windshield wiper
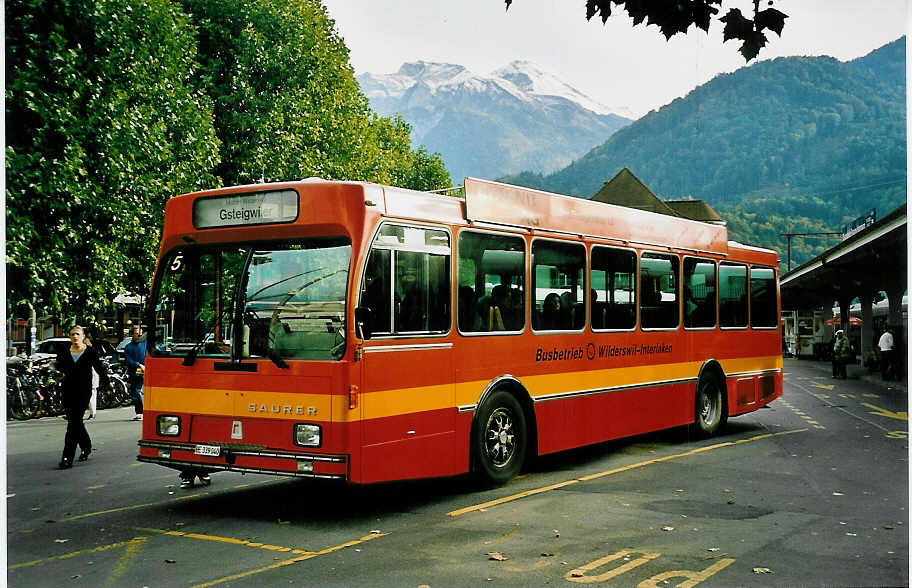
pixel 271 354
pixel 190 358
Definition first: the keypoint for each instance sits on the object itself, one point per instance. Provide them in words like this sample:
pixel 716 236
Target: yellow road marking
pixel 230 540
pixel 134 540
pixel 900 415
pixel 824 386
pixel 280 564
pixel 129 554
pixel 534 491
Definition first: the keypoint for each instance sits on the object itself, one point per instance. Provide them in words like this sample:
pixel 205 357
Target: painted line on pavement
pixel 132 542
pixel 280 564
pixel 534 491
pixel 840 408
pixel 229 540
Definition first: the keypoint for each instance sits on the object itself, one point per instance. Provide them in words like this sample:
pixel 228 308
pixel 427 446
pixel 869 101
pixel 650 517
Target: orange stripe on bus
pixel 400 401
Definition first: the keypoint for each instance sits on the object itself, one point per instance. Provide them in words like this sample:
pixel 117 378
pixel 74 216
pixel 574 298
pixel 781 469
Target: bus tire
pixel 499 439
pixel 709 410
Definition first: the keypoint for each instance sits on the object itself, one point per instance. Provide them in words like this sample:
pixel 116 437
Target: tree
pixel 287 104
pixel 103 126
pixel 673 17
pixel 114 106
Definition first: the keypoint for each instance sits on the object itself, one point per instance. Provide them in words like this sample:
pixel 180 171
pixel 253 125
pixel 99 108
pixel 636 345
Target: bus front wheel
pixel 499 439
pixel 710 409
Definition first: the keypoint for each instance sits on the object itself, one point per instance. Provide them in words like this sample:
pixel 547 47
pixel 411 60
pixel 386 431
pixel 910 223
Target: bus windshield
pixel 288 298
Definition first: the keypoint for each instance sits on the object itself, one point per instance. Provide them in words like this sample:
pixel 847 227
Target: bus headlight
pixel 307 435
pixel 168 425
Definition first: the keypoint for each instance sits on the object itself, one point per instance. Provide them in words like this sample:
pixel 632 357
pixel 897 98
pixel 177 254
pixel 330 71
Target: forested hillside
pixel 800 143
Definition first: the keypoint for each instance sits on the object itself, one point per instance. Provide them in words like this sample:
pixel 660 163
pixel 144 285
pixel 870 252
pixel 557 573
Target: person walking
pixel 886 354
pixel 135 357
pixel 77 364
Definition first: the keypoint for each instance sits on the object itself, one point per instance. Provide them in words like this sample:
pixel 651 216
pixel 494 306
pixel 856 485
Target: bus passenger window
pixel 763 311
pixel 491 289
pixel 732 295
pixel 613 278
pixel 658 291
pixel 558 269
pixel 414 295
pixel 699 293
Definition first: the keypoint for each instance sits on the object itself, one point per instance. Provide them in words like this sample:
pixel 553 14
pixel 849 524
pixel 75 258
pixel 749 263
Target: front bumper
pixel 245 458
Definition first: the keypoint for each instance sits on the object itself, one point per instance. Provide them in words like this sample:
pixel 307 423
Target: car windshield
pixel 54 347
pixel 288 298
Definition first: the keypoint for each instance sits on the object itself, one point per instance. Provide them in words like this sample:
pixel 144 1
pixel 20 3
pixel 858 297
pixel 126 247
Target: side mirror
pixel 363 322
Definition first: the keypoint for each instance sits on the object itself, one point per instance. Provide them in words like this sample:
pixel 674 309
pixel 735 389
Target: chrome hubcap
pixel 500 443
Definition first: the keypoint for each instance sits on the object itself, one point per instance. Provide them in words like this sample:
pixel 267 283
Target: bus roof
pixel 492 203
pixel 504 204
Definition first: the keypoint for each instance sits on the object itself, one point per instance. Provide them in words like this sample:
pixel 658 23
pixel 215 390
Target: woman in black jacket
pixel 77 364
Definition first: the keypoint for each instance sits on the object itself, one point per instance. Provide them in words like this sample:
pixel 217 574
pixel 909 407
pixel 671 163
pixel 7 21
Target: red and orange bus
pixel 367 333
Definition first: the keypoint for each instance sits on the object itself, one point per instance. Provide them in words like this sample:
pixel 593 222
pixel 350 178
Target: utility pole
pixel 789 236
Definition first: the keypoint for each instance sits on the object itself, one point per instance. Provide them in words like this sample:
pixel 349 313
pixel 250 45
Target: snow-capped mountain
pixel 518 118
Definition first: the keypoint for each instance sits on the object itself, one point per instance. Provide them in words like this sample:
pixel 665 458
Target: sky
pixel 619 65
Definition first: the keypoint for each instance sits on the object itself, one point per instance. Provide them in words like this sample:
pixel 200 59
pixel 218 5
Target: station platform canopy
pixel 871 260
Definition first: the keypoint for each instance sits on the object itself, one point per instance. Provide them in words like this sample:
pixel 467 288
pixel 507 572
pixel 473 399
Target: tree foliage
pixel 103 126
pixel 114 106
pixel 673 17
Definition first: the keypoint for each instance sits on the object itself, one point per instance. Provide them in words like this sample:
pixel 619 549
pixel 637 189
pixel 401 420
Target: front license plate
pixel 208 450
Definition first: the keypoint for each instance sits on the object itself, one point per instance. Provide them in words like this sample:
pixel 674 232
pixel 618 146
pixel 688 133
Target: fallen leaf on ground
pixel 763 571
pixel 497 556
pixel 547 554
pixel 668 528
pixel 170 561
pixel 60 540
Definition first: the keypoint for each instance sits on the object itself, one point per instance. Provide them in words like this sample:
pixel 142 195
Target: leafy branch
pixel 677 17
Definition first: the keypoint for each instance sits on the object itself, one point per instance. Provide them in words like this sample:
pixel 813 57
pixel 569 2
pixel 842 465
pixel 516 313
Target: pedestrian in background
pixel 842 353
pixel 886 354
pixel 77 364
pixel 135 356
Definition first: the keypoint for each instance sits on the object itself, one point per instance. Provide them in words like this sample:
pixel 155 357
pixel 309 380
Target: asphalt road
pixel 811 491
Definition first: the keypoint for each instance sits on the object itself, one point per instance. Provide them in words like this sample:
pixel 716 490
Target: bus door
pixel 407 396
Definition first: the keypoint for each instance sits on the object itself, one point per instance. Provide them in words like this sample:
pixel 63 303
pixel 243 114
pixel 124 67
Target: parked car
pixel 122 346
pixel 50 348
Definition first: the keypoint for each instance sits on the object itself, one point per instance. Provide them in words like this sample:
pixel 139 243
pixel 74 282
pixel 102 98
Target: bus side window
pixel 732 295
pixel 491 289
pixel 559 268
pixel 763 311
pixel 659 291
pixel 406 282
pixel 699 293
pixel 613 279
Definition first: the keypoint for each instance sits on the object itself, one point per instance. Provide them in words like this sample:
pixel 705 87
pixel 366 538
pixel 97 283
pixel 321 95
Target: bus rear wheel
pixel 499 439
pixel 709 408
